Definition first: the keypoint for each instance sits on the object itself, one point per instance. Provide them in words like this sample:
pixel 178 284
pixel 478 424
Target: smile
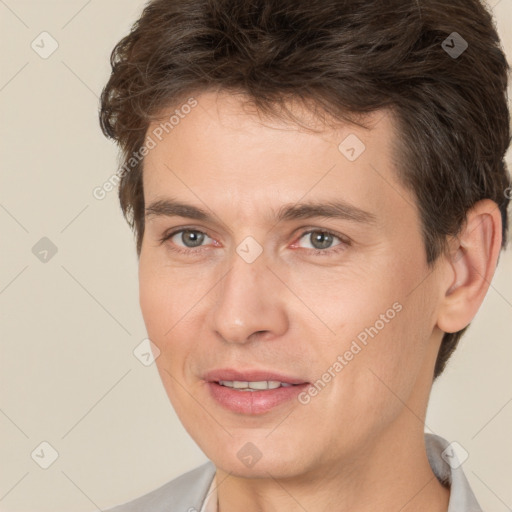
pixel 255 385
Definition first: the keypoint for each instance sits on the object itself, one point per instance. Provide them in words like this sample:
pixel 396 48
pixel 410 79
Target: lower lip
pixel 253 402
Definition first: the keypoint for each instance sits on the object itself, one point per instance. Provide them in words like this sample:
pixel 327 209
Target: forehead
pixel 226 153
pixel 233 119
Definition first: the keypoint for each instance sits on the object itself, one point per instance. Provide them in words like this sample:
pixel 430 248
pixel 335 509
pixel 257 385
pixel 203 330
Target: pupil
pixel 193 236
pixel 321 240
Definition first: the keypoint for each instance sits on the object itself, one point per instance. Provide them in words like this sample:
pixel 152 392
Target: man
pixel 319 197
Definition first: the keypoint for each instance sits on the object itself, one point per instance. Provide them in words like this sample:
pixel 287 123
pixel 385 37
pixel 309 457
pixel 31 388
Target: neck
pixel 393 474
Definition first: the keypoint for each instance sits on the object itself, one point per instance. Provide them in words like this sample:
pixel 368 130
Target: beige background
pixel 68 375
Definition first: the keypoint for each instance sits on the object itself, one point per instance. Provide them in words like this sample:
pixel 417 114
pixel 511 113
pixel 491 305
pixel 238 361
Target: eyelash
pixel 316 252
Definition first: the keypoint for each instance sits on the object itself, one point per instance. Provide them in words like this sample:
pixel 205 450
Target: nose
pixel 249 303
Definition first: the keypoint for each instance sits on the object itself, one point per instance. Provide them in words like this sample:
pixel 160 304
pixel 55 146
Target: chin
pixel 261 469
pixel 257 459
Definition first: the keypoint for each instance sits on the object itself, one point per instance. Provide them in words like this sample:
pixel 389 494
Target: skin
pixel 359 444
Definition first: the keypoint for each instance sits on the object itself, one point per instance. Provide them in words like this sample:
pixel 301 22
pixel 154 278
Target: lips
pixel 230 374
pixel 229 388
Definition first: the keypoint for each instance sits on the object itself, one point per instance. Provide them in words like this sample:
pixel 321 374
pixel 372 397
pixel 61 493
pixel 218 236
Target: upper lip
pixel 230 374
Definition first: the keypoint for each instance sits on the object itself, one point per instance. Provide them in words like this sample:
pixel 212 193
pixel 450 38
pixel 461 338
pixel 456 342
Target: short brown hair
pixel 348 57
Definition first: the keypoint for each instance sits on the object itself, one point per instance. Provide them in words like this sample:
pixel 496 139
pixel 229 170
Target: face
pixel 274 253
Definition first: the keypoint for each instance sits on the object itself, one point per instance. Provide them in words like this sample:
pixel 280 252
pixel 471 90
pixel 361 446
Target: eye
pixel 322 241
pixel 186 239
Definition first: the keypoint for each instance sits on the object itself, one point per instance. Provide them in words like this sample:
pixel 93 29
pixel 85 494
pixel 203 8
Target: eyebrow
pixel 326 209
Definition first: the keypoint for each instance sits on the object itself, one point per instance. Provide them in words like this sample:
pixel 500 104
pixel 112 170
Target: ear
pixel 470 266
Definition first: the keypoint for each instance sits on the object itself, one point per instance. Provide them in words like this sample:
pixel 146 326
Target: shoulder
pixel 186 492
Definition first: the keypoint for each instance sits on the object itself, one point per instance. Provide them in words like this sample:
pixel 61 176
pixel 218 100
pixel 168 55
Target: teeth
pixel 254 386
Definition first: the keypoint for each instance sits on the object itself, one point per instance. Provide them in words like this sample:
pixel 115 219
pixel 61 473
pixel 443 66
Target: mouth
pixel 252 392
pixel 261 385
pixel 251 379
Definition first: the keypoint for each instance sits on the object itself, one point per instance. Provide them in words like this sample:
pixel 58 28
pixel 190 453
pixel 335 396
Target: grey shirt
pixel 194 491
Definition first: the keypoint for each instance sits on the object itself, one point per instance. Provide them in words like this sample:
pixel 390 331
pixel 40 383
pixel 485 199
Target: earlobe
pixel 472 262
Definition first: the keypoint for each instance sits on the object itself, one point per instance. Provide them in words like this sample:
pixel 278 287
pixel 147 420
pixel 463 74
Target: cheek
pixel 161 309
pixel 153 303
pixel 162 304
pixel 382 333
pixel 163 298
pixel 169 300
pixel 371 390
